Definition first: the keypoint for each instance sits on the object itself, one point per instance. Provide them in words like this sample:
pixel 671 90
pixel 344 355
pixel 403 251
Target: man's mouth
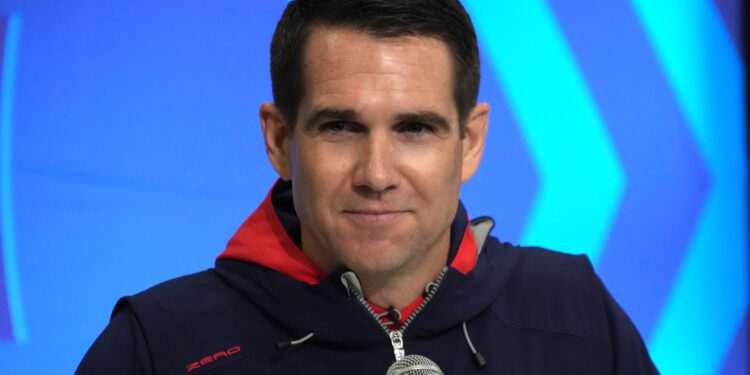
pixel 374 217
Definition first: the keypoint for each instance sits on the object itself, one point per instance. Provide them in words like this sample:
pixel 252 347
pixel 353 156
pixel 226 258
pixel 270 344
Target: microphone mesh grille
pixel 414 364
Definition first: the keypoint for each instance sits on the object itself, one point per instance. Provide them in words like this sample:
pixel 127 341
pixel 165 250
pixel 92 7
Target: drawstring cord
pixel 351 283
pixel 479 360
pixel 285 344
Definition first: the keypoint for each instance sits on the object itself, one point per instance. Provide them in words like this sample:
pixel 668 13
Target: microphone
pixel 414 364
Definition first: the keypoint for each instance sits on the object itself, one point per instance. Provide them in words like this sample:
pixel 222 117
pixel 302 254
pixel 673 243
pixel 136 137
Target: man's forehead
pixel 341 39
pixel 348 69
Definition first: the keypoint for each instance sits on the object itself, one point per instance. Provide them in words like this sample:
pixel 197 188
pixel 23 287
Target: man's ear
pixel 474 137
pixel 277 138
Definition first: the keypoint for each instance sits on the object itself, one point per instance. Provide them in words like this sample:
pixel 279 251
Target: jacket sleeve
pixel 630 353
pixel 120 349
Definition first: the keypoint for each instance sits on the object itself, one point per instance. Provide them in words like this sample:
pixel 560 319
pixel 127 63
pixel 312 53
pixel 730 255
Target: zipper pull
pixel 397 341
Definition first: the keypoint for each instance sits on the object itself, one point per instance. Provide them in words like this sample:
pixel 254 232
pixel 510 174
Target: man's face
pixel 376 159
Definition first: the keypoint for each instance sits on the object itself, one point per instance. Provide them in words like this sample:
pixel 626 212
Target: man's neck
pixel 402 287
pixel 397 287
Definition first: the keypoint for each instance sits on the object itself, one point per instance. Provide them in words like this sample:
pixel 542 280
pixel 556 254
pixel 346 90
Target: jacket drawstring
pixel 285 344
pixel 353 287
pixel 479 360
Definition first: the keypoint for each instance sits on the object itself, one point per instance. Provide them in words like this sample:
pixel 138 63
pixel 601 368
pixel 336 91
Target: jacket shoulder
pixel 554 292
pixel 183 298
pixel 183 320
pixel 179 292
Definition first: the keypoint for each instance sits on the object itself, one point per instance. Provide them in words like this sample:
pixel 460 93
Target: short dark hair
pixel 445 20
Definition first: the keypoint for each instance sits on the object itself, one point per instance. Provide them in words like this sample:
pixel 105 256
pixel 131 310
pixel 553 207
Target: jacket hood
pixel 264 262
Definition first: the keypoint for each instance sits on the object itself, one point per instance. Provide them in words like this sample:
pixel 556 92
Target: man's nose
pixel 376 171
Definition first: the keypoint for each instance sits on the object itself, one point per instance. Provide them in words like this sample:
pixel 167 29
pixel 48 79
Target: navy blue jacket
pixel 525 310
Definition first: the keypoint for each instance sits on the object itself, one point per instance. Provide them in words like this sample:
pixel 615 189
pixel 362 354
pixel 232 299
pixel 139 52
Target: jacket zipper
pixel 397 335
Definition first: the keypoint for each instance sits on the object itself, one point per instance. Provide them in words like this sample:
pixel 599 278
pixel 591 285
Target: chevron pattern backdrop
pixel 130 151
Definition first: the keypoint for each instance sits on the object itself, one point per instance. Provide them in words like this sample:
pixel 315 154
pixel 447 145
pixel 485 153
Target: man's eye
pixel 415 128
pixel 336 127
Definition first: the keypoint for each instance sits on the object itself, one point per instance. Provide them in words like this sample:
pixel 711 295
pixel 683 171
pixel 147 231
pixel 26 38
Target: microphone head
pixel 414 364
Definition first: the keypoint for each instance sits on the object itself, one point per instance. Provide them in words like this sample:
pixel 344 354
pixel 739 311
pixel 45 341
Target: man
pixel 362 253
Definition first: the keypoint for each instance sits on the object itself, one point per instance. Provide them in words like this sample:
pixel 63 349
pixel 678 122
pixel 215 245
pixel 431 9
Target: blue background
pixel 130 151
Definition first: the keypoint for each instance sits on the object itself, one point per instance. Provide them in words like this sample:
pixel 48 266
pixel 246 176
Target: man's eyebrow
pixel 427 117
pixel 338 114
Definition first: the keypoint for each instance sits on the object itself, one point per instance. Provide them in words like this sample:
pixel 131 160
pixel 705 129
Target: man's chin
pixel 375 260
